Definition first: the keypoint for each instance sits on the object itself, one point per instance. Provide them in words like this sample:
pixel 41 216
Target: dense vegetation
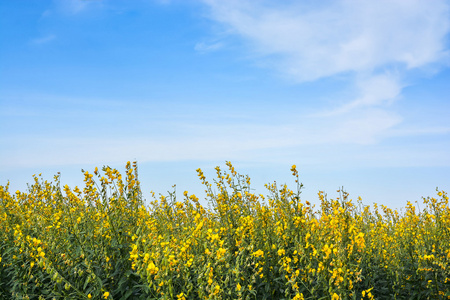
pixel 103 242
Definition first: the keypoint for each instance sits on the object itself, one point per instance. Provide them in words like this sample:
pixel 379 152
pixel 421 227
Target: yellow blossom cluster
pixel 106 242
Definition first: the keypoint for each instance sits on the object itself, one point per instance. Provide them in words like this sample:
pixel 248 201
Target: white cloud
pixel 372 43
pixel 364 128
pixel 43 40
pixel 46 13
pixel 204 47
pixel 373 90
pixel 334 141
pixel 201 140
pixel 164 2
pixel 201 132
pixel 75 6
pixel 312 42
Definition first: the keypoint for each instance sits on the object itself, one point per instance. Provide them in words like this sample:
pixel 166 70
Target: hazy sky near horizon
pixel 355 93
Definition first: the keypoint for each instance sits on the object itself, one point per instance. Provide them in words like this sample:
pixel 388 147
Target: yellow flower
pixel 369 294
pixel 299 297
pixel 216 289
pixel 220 253
pixel 238 287
pixel 106 295
pixel 89 296
pixel 335 297
pixel 151 268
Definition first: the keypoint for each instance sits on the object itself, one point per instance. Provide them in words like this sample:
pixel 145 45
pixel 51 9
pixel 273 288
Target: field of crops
pixel 102 242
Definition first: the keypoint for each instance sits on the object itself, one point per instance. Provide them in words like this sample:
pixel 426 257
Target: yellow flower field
pixel 103 242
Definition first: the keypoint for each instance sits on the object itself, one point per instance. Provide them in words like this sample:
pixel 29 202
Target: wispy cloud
pixel 75 6
pixel 43 40
pixel 165 2
pixel 316 41
pixel 276 143
pixel 204 47
pixel 65 132
pixel 366 41
pixel 374 90
pixel 185 137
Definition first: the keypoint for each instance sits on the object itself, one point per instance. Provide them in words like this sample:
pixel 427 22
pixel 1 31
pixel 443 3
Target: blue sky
pixel 355 93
